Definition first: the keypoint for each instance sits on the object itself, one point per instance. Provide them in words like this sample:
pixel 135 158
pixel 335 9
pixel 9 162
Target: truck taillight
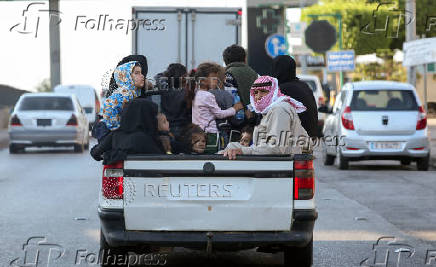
pixel 422 119
pixel 112 184
pixel 304 182
pixel 15 121
pixel 347 119
pixel 72 121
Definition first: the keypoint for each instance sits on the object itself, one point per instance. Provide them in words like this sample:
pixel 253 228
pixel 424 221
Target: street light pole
pixel 55 49
pixel 410 36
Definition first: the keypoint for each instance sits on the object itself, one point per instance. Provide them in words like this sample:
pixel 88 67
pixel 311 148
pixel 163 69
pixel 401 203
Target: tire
pixel 78 148
pixel 423 164
pixel 343 162
pixel 110 255
pixel 405 162
pixel 86 146
pixel 299 256
pixel 13 149
pixel 328 159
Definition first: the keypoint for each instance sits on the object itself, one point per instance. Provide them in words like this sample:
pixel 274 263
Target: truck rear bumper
pixel 113 227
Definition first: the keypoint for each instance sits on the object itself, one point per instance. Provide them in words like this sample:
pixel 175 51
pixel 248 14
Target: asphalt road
pixel 50 197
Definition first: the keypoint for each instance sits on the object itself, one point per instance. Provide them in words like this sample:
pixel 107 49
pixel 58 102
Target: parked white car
pixel 87 96
pixel 48 119
pixel 377 120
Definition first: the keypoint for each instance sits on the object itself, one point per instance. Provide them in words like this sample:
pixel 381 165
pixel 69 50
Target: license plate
pixel 385 145
pixel 43 122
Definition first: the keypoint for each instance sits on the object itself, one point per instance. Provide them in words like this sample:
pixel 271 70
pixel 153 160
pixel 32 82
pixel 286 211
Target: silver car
pixel 48 119
pixel 377 120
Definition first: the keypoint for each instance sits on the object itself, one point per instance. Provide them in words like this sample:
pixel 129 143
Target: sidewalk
pixel 432 133
pixel 4 138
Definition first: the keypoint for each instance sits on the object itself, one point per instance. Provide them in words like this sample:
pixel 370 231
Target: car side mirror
pixel 325 109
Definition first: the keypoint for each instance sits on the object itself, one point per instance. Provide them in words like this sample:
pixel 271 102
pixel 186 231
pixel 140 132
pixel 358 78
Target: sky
pixel 88 53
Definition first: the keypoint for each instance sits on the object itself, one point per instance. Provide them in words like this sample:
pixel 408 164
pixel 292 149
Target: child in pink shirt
pixel 205 109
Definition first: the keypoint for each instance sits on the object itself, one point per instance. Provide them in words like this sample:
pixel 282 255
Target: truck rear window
pixel 375 100
pixel 46 103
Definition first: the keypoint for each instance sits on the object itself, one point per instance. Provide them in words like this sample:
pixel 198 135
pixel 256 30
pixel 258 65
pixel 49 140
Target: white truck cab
pixel 210 203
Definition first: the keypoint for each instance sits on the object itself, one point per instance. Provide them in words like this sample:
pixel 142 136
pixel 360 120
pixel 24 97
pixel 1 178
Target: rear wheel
pixel 328 159
pixel 86 146
pixel 343 162
pixel 112 256
pixel 78 148
pixel 423 163
pixel 13 149
pixel 299 256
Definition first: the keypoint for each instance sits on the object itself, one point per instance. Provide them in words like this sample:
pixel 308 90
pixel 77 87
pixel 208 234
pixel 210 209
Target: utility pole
pixel 410 36
pixel 55 48
pixel 303 58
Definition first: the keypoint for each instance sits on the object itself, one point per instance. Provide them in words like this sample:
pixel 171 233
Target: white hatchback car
pixel 48 119
pixel 377 120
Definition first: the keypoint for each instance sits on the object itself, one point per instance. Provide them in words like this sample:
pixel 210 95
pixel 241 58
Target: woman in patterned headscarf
pixel 279 126
pixel 129 80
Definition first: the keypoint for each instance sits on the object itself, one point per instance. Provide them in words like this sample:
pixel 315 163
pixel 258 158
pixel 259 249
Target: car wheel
pixel 86 146
pixel 78 148
pixel 112 256
pixel 423 163
pixel 299 256
pixel 343 162
pixel 328 159
pixel 405 162
pixel 13 149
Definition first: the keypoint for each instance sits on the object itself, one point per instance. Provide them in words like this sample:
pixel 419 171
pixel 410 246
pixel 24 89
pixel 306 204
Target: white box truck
pixel 187 34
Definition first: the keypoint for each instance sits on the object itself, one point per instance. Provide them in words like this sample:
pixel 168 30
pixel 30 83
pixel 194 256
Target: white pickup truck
pixel 210 203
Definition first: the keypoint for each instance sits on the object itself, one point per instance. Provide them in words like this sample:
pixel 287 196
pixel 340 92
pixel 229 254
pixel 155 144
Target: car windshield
pixel 46 103
pixel 374 100
pixel 311 84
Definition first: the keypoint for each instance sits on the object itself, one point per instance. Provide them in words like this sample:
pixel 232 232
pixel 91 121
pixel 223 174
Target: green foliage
pixel 425 10
pixel 389 70
pixel 44 86
pixel 358 23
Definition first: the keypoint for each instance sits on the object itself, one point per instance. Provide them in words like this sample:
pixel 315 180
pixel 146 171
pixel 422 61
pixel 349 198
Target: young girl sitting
pixel 205 109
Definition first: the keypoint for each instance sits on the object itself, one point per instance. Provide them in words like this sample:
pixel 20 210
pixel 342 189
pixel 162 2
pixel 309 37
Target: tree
pixel 44 86
pixel 425 15
pixel 360 21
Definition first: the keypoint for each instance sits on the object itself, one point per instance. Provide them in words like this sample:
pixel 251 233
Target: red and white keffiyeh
pixel 273 97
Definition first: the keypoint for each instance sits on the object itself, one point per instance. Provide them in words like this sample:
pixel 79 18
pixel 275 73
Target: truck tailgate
pixel 208 195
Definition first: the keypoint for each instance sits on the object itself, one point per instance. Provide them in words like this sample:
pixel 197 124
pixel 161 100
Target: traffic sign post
pixel 339 19
pixel 276 45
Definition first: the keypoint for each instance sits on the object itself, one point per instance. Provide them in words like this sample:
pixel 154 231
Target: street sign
pixel 320 36
pixel 340 61
pixel 296 29
pixel 296 40
pixel 419 52
pixel 276 45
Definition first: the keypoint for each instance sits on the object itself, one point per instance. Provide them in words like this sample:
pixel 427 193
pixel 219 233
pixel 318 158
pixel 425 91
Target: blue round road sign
pixel 276 45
